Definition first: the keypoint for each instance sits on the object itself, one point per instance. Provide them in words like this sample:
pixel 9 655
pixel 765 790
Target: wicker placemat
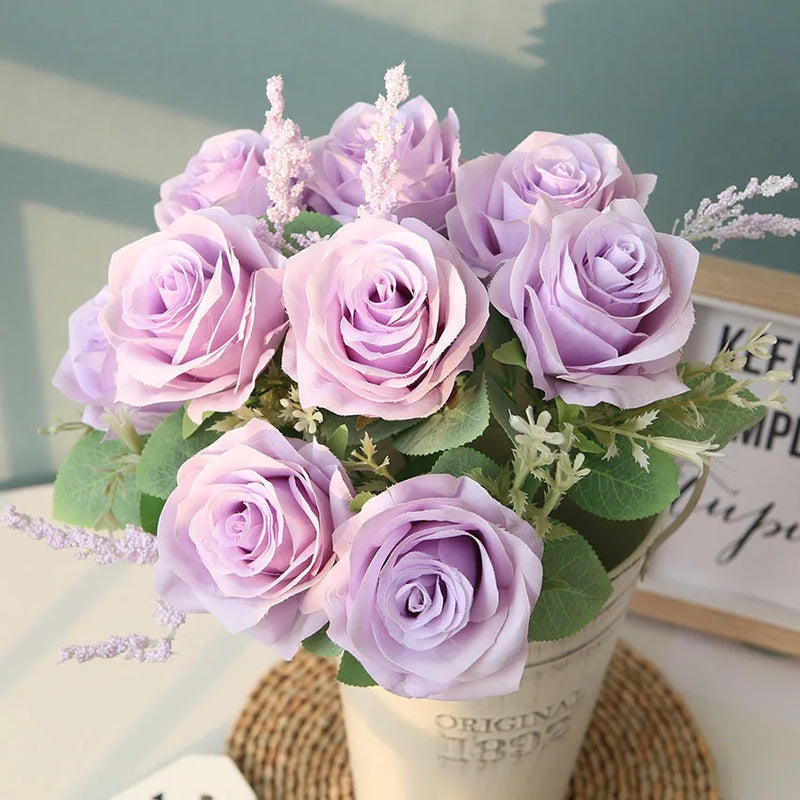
pixel 642 742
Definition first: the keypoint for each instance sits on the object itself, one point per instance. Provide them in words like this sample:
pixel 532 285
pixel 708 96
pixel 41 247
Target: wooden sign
pixel 733 568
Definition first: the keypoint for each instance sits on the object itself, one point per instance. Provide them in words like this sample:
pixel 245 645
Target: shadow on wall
pixel 704 94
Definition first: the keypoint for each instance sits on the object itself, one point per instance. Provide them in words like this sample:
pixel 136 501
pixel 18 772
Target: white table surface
pixel 86 731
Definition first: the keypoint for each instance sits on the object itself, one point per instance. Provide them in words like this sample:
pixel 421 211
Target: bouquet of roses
pixel 361 396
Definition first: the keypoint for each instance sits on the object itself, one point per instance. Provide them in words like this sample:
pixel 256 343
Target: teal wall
pixel 100 100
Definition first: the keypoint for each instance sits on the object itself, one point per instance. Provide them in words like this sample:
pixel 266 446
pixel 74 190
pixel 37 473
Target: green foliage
pixel 619 489
pixel 721 420
pixel 463 461
pixel 464 418
pixel 307 222
pixel 337 441
pixel 320 644
pixel 511 353
pixel 357 503
pixel 585 444
pixel 352 673
pixel 574 588
pixel 189 426
pixel 150 508
pixel 164 453
pixel 501 407
pixel 96 486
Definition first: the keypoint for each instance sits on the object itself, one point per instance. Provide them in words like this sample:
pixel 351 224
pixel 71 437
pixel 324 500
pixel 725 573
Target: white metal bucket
pixel 521 746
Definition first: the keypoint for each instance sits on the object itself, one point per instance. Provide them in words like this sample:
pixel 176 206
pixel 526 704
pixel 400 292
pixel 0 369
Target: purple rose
pixel 248 531
pixel 434 589
pixel 495 194
pixel 87 372
pixel 383 318
pixel 195 312
pixel 601 304
pixel 427 157
pixel 225 172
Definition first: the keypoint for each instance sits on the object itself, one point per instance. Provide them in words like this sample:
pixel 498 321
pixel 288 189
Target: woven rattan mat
pixel 642 742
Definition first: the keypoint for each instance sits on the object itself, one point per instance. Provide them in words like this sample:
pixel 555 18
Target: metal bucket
pixel 521 746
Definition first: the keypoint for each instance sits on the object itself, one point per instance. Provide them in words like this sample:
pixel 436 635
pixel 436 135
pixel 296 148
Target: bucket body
pixel 521 746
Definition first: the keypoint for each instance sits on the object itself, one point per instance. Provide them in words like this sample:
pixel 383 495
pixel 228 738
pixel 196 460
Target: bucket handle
pixel 676 523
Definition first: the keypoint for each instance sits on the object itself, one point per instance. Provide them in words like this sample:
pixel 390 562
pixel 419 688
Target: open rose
pixel 248 531
pixel 601 304
pixel 195 312
pixel 427 156
pixel 495 194
pixel 383 318
pixel 88 372
pixel 225 172
pixel 434 589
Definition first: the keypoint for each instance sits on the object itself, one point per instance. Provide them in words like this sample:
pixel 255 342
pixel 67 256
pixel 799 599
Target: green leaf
pixel 189 426
pixel 567 412
pixel 357 503
pixel 574 588
pixel 501 407
pixel 464 418
pixel 150 508
pixel 511 353
pixel 381 429
pixel 463 460
pixel 165 451
pixel 320 644
pixel 620 489
pixel 587 445
pixel 96 477
pixel 352 673
pixel 306 222
pixel 337 441
pixel 721 420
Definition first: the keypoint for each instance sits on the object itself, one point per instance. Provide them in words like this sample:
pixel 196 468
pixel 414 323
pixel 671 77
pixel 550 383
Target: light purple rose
pixel 434 589
pixel 601 304
pixel 87 372
pixel 248 532
pixel 195 312
pixel 383 318
pixel 225 172
pixel 495 194
pixel 427 157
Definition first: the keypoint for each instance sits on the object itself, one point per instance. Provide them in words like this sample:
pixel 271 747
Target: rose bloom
pixel 248 531
pixel 434 589
pixel 601 304
pixel 195 312
pixel 225 172
pixel 427 156
pixel 87 372
pixel 383 318
pixel 495 194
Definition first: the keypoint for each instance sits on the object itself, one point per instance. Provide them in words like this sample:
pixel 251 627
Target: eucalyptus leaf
pixel 574 588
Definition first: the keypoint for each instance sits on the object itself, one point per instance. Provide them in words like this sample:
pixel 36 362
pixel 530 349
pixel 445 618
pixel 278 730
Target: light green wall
pixel 100 100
